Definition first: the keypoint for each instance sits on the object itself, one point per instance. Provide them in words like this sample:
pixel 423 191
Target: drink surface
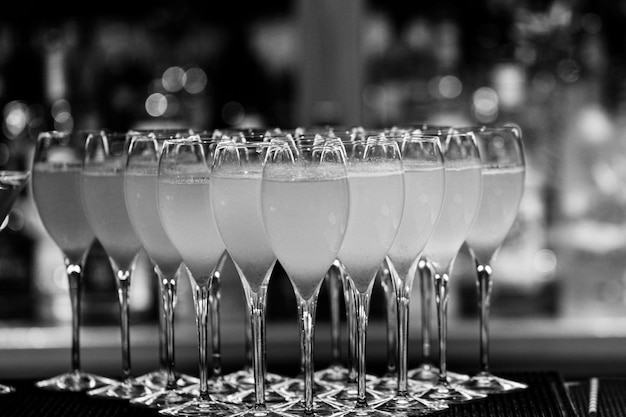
pixel 236 200
pixel 376 205
pixel 305 219
pixel 423 197
pixel 188 221
pixel 105 206
pixel 502 193
pixel 140 189
pixel 460 204
pixel 57 196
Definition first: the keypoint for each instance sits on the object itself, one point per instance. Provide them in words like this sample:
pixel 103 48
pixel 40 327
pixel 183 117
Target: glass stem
pixel 257 307
pixel 402 294
pixel 441 300
pixel 123 289
pixel 484 285
pixel 162 322
pixel 348 295
pixel 248 340
pixel 426 302
pixel 334 282
pixel 307 333
pixel 387 284
pixel 74 276
pixel 201 298
pixel 362 304
pixel 214 305
pixel 168 299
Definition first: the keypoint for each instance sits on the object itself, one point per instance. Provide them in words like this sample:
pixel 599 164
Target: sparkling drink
pixel 237 209
pixel 58 198
pixel 376 206
pixel 11 183
pixel 105 206
pixel 140 189
pixel 305 220
pixel 502 193
pixel 462 195
pixel 424 190
pixel 187 218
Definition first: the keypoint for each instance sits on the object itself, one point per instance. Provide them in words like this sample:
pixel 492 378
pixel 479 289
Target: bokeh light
pixel 173 79
pixel 485 104
pixel 156 105
pixel 195 80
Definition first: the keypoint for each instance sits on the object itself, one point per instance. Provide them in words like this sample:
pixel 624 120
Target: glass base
pixel 429 373
pixel 408 406
pixel 5 389
pixel 164 399
pixel 158 380
pixel 450 394
pixel 385 384
pixel 271 397
pixel 125 390
pixel 200 408
pixel 245 378
pixel 74 381
pixel 333 374
pixel 294 388
pixel 262 412
pixel 365 411
pixel 486 383
pixel 347 395
pixel 388 385
pixel 321 407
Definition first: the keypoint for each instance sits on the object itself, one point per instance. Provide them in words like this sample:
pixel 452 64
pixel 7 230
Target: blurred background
pixel 555 68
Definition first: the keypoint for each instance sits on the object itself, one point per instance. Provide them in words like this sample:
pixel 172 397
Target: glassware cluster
pixel 351 206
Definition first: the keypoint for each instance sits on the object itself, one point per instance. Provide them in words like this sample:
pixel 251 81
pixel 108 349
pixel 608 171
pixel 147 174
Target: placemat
pixel 611 396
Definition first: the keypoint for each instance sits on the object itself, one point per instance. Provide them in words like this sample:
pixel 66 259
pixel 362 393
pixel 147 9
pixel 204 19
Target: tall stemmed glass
pixel 11 184
pixel 236 202
pixel 102 190
pixel 376 182
pixel 140 189
pixel 305 202
pixel 244 378
pixel 424 180
pixel 460 205
pixel 502 154
pixel 57 163
pixel 187 218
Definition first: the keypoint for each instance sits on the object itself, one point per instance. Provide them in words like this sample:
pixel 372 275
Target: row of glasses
pixel 191 165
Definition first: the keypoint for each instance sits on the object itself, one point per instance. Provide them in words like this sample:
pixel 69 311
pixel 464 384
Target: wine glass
pixel 502 155
pixel 102 190
pixel 11 184
pixel 244 378
pixel 236 202
pixel 187 218
pixel 376 182
pixel 57 163
pixel 140 190
pixel 304 201
pixel 427 372
pixel 463 185
pixel 424 181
